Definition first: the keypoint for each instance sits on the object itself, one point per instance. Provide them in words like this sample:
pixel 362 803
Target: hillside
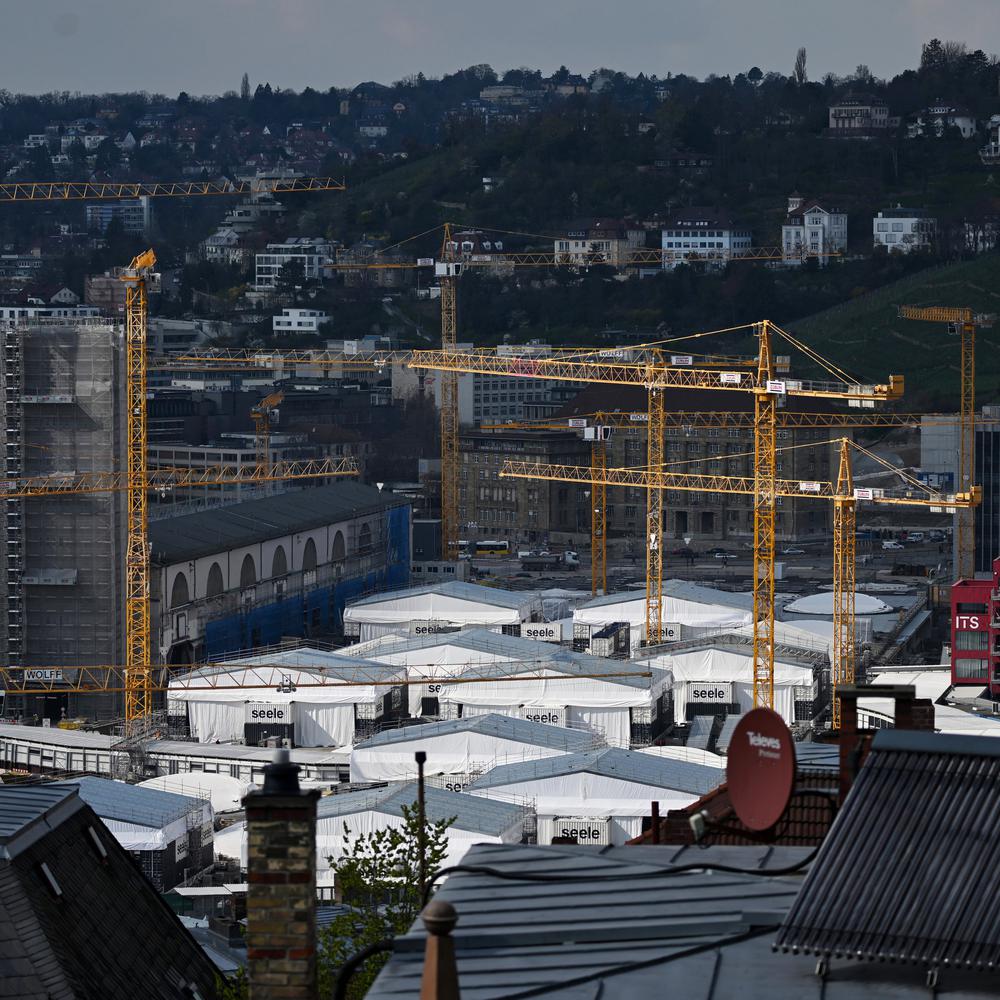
pixel 865 335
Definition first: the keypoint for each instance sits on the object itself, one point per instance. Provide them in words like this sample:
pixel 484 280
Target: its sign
pixel 681 359
pixel 36 674
pixel 730 378
pixel 710 692
pixel 968 621
pixel 425 262
pixel 775 387
pixel 261 713
pixel 863 493
pixel 547 716
pixel 810 487
pixel 544 633
pixel 582 829
pixel 577 422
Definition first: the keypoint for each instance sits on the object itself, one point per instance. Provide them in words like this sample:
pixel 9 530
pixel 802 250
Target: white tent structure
pixel 602 795
pixel 690 608
pixel 437 658
pixel 476 821
pixel 607 697
pixel 439 607
pixel 321 702
pixel 807 635
pixel 692 755
pixel 729 669
pixel 821 605
pixel 223 791
pixel 461 748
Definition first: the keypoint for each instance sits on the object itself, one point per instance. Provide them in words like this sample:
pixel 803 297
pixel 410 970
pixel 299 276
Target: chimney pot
pixel 439 917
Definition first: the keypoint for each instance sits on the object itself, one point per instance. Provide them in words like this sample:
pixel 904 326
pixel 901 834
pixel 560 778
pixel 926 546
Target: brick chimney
pixel 281 895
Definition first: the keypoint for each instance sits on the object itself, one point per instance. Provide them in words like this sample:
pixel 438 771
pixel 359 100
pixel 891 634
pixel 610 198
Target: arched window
pixel 309 556
pixel 279 564
pixel 179 593
pixel 248 572
pixel 339 551
pixel 215 585
pixel 364 540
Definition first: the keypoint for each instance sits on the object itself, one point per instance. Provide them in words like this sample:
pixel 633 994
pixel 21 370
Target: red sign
pixel 760 771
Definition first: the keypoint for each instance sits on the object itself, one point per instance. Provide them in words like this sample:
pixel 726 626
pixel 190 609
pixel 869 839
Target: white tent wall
pixel 216 721
pixel 455 753
pixel 323 725
pixel 584 794
pixel 674 610
pixel 135 837
pixel 224 792
pixel 726 666
pixel 614 723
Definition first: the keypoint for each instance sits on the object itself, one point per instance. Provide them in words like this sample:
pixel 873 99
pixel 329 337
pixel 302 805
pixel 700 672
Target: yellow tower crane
pixel 843 494
pixel 261 414
pixel 656 377
pixel 962 322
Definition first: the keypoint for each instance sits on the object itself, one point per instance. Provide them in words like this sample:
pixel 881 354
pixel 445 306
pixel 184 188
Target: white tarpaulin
pixel 318 724
pixel 458 604
pixel 816 636
pixel 632 609
pixel 436 662
pixel 614 723
pixel 323 704
pixel 822 604
pixel 729 666
pixel 463 752
pixel 224 792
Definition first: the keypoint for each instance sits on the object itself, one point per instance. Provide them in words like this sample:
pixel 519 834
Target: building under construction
pixel 64 412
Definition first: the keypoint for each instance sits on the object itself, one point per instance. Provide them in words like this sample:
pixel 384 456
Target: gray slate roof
pixel 25 812
pixel 624 927
pixel 205 532
pixel 131 804
pixel 501 726
pixel 619 907
pixel 454 588
pixel 54 736
pixel 318 662
pixel 471 812
pixel 629 765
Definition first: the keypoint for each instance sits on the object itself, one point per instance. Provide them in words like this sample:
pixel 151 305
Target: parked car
pixel 892 545
pixel 791 550
pixel 915 537
pixel 722 554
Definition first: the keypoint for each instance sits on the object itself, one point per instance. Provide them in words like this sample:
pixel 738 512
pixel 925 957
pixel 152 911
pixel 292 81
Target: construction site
pixel 548 654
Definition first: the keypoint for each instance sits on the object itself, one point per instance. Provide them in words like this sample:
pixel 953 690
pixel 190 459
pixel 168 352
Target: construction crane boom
pixel 113 191
pixel 161 480
pixel 261 415
pixel 655 378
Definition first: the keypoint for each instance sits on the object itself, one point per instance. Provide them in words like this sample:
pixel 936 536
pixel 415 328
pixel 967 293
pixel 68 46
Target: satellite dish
pixel 760 769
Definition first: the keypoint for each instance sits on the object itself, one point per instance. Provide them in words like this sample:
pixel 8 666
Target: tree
pixel 754 75
pixel 245 88
pixel 799 71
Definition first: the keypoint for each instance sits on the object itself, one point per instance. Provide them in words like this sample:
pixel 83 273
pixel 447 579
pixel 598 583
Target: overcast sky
pixel 204 46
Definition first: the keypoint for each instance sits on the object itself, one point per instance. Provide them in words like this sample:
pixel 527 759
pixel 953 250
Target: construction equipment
pixel 962 322
pixel 116 190
pixel 657 377
pixel 137 624
pixel 261 414
pixel 845 498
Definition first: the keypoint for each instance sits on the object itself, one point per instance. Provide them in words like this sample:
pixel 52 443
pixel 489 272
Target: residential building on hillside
pixel 603 241
pixel 940 116
pixel 703 234
pixel 224 246
pixel 812 228
pixel 904 230
pixel 134 214
pixel 299 321
pixel 990 153
pixel 311 253
pixel 858 114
